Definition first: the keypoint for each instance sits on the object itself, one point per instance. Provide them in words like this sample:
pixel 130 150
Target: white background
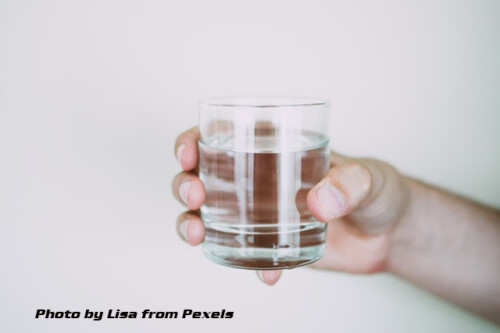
pixel 93 94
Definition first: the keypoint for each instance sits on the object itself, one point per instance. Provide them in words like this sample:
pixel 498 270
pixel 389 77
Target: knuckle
pixel 361 173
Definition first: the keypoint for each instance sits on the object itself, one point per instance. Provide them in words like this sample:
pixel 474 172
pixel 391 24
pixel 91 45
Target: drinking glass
pixel 259 157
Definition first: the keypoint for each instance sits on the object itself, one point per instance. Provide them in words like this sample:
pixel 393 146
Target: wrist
pixel 406 231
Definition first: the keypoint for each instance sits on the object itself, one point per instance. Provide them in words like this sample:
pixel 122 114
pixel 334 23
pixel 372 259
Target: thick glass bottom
pixel 262 259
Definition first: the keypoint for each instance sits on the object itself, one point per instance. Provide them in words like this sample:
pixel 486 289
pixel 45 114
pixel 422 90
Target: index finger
pixel 186 149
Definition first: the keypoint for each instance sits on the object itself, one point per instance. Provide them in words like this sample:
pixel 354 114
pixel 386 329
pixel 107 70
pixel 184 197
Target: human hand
pixel 363 200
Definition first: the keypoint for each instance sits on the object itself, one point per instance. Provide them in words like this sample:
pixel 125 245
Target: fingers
pixel 191 228
pixel 269 277
pixel 186 149
pixel 341 191
pixel 189 190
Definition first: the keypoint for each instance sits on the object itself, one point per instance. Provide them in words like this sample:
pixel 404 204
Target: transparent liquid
pixel 255 212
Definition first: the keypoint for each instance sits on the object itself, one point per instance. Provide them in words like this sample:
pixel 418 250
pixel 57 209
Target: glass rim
pixel 263 101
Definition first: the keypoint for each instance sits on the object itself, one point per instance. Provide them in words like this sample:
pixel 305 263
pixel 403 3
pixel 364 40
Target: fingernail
pixel 184 229
pixel 332 200
pixel 179 151
pixel 260 276
pixel 184 191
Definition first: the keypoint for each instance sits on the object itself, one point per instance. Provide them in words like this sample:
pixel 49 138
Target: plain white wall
pixel 93 94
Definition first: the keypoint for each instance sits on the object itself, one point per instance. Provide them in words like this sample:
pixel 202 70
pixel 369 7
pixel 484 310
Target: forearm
pixel 451 247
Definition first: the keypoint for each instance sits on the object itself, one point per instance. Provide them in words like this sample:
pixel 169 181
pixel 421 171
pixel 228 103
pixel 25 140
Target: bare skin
pixel 381 221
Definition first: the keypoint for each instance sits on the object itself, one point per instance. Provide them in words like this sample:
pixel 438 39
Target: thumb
pixel 372 192
pixel 344 187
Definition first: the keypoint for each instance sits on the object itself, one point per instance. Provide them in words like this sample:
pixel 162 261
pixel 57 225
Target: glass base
pixel 261 258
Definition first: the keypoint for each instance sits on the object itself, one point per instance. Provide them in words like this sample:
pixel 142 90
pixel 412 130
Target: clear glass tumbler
pixel 259 157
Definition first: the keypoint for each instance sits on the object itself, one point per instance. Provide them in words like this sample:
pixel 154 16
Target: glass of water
pixel 259 157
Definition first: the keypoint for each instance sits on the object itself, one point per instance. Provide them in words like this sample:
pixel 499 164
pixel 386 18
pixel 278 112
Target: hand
pixel 363 200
